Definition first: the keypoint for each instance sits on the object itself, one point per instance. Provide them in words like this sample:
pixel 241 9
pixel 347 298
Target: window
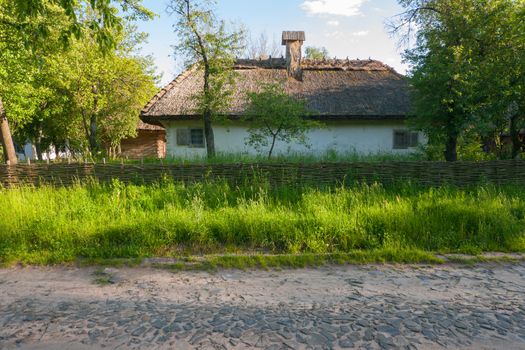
pixel 197 138
pixel 404 139
pixel 190 137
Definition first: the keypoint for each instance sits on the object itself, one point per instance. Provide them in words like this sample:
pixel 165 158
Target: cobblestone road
pixel 370 307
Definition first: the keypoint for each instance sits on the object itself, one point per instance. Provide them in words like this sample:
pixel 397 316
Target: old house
pixel 362 103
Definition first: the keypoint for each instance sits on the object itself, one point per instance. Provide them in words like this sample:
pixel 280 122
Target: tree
pixel 276 116
pixel 444 65
pixel 316 53
pixel 108 90
pixel 91 99
pixel 209 47
pixel 467 69
pixel 26 22
pixel 503 71
pixel 260 48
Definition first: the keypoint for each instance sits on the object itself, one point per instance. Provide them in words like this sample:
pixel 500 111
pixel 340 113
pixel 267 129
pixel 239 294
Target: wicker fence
pixel 426 173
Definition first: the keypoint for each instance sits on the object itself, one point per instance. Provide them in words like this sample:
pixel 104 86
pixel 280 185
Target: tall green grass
pixel 330 156
pixel 304 158
pixel 95 221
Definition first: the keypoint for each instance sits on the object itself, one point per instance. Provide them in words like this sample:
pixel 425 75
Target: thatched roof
pixel 333 89
pixel 148 127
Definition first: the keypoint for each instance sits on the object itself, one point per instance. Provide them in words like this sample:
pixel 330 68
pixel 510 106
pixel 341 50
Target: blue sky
pixel 347 28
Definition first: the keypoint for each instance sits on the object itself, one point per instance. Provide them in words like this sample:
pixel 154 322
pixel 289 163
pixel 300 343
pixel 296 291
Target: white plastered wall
pixel 362 137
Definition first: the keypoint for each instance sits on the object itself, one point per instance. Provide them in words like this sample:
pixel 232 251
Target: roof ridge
pixel 317 64
pixel 180 78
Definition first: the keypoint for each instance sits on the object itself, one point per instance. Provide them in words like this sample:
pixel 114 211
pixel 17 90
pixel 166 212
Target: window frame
pixel 184 137
pixel 197 145
pixel 408 139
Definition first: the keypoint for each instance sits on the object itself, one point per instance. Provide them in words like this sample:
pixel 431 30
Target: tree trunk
pixel 208 135
pixel 92 139
pixel 38 150
pixel 451 148
pixel 208 129
pixel 515 136
pixel 57 152
pixel 6 138
pixel 272 147
pixel 93 146
pixel 38 144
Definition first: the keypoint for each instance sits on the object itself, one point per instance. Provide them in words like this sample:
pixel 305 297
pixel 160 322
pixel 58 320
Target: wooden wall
pixel 147 144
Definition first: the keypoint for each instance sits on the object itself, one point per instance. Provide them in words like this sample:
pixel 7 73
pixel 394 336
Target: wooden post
pixel 28 161
pixel 104 161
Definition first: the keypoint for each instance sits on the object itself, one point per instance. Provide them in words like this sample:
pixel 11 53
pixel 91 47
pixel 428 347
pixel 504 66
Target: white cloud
pixel 333 23
pixel 351 37
pixel 346 8
pixel 335 34
pixel 360 33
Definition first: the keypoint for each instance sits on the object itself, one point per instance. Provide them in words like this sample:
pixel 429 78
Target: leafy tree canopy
pixel 460 65
pixel 275 116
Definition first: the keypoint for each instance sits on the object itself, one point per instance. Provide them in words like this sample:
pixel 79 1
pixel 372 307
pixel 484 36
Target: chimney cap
pixel 293 36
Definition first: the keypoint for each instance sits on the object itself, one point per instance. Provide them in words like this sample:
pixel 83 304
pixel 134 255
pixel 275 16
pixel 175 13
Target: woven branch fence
pixel 315 174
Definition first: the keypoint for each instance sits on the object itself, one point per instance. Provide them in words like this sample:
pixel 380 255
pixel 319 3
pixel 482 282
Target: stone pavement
pixel 362 307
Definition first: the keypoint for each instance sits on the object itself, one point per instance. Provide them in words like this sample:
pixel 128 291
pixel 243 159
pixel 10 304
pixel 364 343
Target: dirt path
pixel 368 307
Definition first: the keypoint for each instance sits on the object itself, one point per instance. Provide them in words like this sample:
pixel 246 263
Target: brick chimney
pixel 294 42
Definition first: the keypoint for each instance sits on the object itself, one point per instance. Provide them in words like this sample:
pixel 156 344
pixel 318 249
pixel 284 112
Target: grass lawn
pixel 402 223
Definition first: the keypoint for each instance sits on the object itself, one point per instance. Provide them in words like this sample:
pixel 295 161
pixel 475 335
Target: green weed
pixel 289 225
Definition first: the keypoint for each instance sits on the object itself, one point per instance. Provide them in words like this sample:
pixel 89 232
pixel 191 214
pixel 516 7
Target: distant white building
pixel 363 105
pixel 28 151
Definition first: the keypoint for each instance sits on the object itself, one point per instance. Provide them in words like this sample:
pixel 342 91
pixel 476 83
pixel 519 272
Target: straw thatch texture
pixel 333 89
pixel 149 127
pixel 317 174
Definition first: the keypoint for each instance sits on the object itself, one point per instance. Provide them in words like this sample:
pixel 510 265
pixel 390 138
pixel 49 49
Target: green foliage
pixel 316 53
pixel 65 90
pixel 466 69
pixel 105 19
pixel 33 30
pixel 19 62
pixel 469 148
pixel 502 78
pixel 54 225
pixel 41 42
pixel 441 73
pixel 106 89
pixel 276 116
